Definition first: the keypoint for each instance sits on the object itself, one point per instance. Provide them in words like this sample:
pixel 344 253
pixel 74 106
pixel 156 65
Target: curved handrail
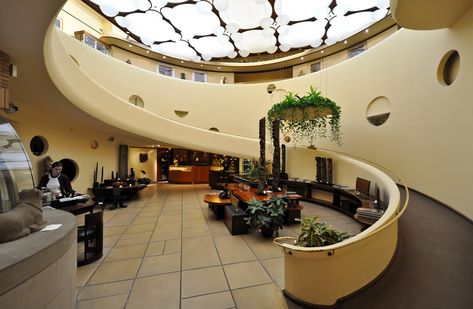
pixel 331 249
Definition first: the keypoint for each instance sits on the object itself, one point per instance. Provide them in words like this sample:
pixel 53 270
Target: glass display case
pixel 15 167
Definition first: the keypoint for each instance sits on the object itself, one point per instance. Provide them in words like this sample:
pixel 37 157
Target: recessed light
pixel 367 30
pixel 147 51
pixel 219 68
pixel 129 45
pixel 321 51
pixel 164 57
pixel 159 145
pixel 201 65
pixel 345 42
pixel 302 58
pixel 182 61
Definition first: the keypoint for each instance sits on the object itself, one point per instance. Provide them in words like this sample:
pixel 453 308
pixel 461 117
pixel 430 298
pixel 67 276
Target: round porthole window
pixel 38 145
pixel 136 100
pixel 70 168
pixel 378 111
pixel 271 88
pixel 448 68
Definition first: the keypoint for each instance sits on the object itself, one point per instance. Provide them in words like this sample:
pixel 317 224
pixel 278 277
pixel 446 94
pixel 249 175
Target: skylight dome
pixel 217 29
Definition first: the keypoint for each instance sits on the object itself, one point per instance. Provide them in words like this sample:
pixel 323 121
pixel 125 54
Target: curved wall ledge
pixel 41 265
pixel 324 275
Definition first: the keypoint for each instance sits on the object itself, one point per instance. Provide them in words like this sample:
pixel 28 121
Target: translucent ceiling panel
pixel 296 35
pixel 191 21
pixel 179 49
pixel 304 9
pixel 213 47
pixel 255 41
pixel 246 13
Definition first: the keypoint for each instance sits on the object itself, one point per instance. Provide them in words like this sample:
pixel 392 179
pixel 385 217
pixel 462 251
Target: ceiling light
pixel 302 58
pixel 201 65
pixel 221 5
pixel 129 45
pixel 182 61
pixel 147 51
pixel 219 68
pixel 204 7
pixel 321 51
pixel 345 42
pixel 206 26
pixel 164 57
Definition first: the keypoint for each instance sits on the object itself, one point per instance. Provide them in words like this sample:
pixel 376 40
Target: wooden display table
pixel 216 204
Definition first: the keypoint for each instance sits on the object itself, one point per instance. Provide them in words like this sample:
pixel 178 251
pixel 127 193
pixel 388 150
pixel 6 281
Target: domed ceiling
pixel 222 29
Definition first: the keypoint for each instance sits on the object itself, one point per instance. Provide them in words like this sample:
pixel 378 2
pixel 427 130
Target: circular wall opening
pixel 38 145
pixel 378 111
pixel 70 168
pixel 448 68
pixel 136 100
pixel 271 88
pixel 181 114
pixel 214 129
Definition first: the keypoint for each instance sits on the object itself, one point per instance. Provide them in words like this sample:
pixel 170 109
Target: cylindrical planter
pixel 267 232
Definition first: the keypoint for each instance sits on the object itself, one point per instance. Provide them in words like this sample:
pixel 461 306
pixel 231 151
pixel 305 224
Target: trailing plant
pixel 266 214
pixel 315 234
pixel 307 117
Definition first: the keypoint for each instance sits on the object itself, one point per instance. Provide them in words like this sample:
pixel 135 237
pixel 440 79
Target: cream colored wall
pixel 150 166
pixel 84 19
pixel 72 142
pixel 422 141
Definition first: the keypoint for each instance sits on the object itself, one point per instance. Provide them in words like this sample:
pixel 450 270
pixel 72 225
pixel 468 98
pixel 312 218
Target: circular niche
pixel 378 111
pixel 136 100
pixel 70 168
pixel 271 88
pixel 38 145
pixel 448 68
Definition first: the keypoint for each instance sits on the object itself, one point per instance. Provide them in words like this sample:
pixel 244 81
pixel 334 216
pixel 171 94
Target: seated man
pixel 57 183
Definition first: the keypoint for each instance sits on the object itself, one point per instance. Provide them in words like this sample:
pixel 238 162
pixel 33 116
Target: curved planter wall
pixel 41 266
pixel 323 275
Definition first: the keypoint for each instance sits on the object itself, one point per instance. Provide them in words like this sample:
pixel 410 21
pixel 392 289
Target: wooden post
pixel 276 156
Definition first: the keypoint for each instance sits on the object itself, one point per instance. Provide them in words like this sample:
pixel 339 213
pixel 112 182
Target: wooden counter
pixel 189 175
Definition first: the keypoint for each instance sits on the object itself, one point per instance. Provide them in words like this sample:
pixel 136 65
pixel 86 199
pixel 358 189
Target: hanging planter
pixel 309 117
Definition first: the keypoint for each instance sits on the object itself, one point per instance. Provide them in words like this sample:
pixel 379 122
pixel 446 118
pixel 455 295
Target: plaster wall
pixel 150 166
pixel 416 142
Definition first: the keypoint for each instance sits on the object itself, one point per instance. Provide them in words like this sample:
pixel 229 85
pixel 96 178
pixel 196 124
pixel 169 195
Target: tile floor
pixel 167 250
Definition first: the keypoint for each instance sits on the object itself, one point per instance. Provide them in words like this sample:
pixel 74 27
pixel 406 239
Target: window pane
pixel 358 49
pixel 90 41
pixel 199 77
pixel 168 71
pixel 315 67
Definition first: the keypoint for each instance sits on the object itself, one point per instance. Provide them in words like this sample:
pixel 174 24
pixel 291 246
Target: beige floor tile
pixel 275 268
pixel 171 212
pixel 84 273
pixel 160 264
pixel 120 219
pixel 172 246
pixel 195 232
pixel 138 228
pixel 132 241
pixel 155 248
pixel 113 230
pixel 106 289
pixel 161 291
pixel 233 249
pixel 110 241
pixel 166 234
pixel 266 296
pixel 145 220
pixel 126 252
pixel 246 274
pixel 198 252
pixel 115 271
pixel 136 235
pixel 110 302
pixel 194 223
pixel 203 281
pixel 149 214
pixel 264 248
pixel 210 301
pixel 169 218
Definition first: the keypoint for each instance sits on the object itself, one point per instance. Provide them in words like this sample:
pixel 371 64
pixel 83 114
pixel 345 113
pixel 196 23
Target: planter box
pixel 233 219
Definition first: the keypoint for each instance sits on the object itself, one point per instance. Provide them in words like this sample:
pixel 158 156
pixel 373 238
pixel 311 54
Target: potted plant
pixel 253 173
pixel 315 234
pixel 307 117
pixel 267 215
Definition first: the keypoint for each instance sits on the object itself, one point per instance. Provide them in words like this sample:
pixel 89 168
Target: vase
pixel 267 232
